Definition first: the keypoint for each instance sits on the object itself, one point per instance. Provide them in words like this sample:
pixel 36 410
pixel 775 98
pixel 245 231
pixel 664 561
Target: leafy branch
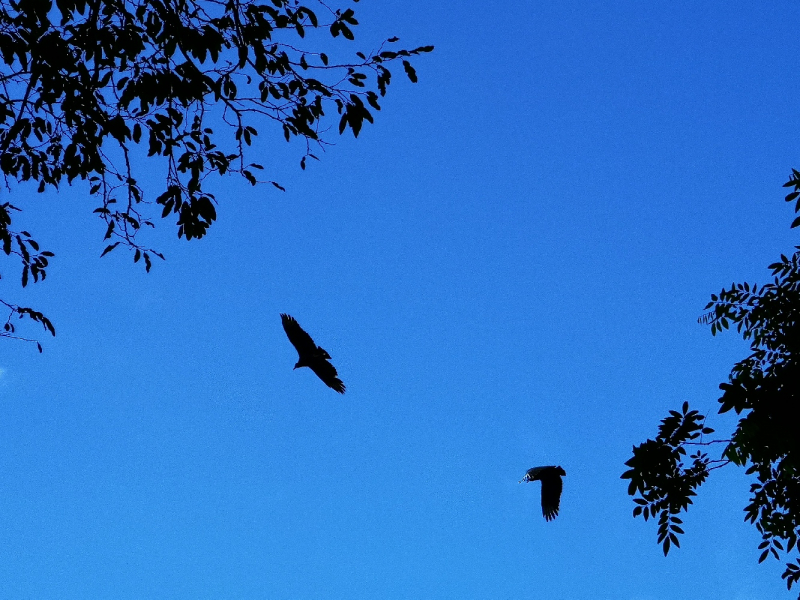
pixel 9 330
pixel 763 390
pixel 86 85
pixel 661 476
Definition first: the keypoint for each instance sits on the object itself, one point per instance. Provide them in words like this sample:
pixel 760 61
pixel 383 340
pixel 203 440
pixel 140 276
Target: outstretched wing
pixel 551 494
pixel 532 474
pixel 327 372
pixel 302 342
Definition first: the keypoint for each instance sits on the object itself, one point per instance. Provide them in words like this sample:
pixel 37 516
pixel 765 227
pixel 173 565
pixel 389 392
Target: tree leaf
pixel 109 248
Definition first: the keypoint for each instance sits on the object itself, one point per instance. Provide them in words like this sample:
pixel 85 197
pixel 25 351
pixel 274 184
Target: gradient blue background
pixel 507 269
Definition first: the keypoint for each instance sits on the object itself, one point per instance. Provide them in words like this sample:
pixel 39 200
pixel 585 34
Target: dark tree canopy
pixel 88 86
pixel 764 390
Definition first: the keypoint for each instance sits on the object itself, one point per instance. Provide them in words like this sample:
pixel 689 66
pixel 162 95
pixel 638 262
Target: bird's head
pixel 298 365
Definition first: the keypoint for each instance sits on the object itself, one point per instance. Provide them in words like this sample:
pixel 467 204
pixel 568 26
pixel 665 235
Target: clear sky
pixel 507 269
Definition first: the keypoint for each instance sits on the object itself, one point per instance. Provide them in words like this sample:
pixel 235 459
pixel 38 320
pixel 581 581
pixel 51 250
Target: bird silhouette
pixel 310 355
pixel 551 488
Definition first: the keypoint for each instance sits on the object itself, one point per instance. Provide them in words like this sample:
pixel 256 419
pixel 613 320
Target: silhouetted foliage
pixel 90 85
pixel 551 488
pixel 310 355
pixel 764 389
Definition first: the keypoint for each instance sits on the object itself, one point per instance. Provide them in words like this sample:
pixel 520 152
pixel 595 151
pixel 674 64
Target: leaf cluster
pixel 794 182
pixel 763 389
pixel 87 86
pixel 34 265
pixel 9 330
pixel 664 477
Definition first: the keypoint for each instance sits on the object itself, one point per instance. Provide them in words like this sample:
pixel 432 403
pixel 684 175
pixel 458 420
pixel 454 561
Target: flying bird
pixel 310 355
pixel 551 488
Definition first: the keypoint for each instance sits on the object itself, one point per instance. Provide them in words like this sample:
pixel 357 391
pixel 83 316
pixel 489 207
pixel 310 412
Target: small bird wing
pixel 300 339
pixel 551 494
pixel 327 373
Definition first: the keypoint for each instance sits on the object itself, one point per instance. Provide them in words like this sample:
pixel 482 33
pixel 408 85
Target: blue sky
pixel 507 269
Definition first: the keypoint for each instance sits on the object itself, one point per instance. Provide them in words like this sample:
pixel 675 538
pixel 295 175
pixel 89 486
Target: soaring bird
pixel 551 488
pixel 310 355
